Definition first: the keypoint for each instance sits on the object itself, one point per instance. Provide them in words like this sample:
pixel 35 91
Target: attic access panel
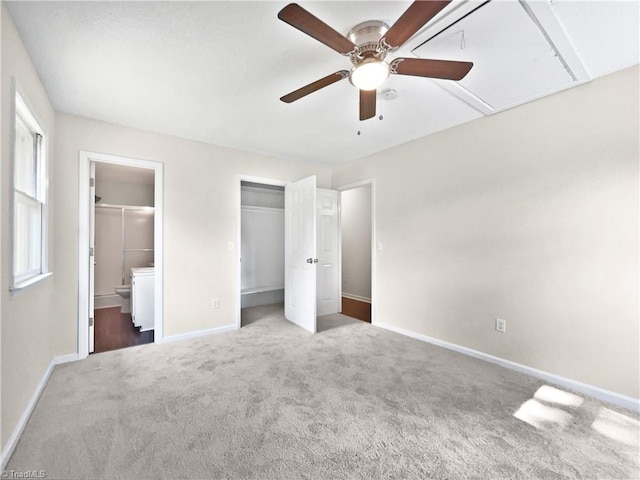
pixel 513 60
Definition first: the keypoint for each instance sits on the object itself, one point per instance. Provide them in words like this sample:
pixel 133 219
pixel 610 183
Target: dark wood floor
pixel 356 309
pixel 114 330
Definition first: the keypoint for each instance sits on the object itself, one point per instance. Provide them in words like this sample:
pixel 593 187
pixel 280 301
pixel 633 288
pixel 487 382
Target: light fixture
pixel 369 74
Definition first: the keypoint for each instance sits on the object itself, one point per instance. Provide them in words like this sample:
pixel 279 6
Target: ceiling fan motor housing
pixel 366 36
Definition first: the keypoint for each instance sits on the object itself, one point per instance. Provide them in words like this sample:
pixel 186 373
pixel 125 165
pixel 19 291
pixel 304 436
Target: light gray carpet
pixel 352 401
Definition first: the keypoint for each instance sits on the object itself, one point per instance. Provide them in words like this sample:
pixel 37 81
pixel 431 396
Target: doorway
pixel 287 225
pixel 261 245
pixel 123 219
pixel 135 216
pixel 260 214
pixel 357 250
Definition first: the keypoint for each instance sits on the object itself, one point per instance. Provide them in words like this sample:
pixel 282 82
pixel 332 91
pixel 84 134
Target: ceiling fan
pixel 367 45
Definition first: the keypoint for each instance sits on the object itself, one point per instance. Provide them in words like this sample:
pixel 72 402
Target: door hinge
pixel 91 251
pixel 92 182
pixel 91 321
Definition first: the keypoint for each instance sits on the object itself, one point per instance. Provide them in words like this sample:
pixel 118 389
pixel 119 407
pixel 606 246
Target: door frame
pixel 351 186
pixel 85 159
pixel 239 179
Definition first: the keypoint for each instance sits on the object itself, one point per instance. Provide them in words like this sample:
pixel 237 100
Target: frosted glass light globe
pixel 370 74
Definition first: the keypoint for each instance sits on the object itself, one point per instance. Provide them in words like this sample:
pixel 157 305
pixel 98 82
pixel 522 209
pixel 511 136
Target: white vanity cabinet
pixel 142 297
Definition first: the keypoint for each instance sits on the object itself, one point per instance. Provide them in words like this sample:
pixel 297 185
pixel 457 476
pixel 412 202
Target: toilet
pixel 125 293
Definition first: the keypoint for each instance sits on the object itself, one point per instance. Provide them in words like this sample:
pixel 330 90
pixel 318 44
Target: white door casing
pixel 300 253
pixel 328 270
pixel 92 253
pixel 85 261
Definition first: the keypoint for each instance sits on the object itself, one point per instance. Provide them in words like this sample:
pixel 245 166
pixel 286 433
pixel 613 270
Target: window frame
pixel 23 114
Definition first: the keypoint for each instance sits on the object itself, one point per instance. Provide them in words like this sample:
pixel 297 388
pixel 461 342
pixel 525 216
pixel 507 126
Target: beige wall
pixel 28 318
pixel 199 218
pixel 120 193
pixel 530 215
pixel 355 229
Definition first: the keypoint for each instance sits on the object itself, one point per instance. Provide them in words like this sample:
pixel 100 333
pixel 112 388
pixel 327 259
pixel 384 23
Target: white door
pixel 300 253
pixel 92 245
pixel 327 248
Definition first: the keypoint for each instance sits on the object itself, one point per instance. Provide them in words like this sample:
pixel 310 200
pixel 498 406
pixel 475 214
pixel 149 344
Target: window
pixel 29 199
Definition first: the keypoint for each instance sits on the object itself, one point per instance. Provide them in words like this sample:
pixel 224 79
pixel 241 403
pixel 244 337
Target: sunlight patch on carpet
pixel 550 394
pixel 617 426
pixel 542 416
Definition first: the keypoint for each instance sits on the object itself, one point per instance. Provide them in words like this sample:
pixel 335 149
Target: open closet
pixel 262 244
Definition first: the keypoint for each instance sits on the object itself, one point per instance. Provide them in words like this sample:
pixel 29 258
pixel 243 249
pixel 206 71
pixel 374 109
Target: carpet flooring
pixel 352 401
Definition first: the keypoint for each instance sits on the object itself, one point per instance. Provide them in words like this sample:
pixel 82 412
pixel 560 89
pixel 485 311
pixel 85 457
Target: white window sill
pixel 28 284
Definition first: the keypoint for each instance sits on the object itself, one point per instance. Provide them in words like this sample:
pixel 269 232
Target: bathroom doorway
pixel 120 274
pixel 123 250
pixel 357 250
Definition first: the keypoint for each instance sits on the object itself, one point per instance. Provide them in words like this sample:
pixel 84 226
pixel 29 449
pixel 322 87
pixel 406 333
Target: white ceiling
pixel 214 71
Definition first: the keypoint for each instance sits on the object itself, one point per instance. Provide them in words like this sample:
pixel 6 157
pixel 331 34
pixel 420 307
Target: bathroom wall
pixel 108 256
pixel 121 193
pixel 262 244
pixel 138 228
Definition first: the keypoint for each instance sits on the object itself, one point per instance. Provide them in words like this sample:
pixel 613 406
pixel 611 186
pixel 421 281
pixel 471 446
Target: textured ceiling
pixel 214 71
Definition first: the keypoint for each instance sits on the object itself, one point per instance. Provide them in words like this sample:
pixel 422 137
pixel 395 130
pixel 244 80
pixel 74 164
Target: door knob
pixel 312 260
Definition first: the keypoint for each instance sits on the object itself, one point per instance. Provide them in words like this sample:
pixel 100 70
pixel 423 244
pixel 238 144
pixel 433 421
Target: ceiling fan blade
pixel 445 69
pixel 298 17
pixel 367 104
pixel 312 87
pixel 412 20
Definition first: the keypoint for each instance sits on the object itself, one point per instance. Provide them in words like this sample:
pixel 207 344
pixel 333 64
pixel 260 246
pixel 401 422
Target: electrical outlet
pixel 501 325
pixel 215 303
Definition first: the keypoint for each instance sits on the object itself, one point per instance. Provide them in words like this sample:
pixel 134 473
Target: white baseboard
pixel 199 333
pixel 24 418
pixel 107 301
pixel 353 296
pixel 70 357
pixel 590 390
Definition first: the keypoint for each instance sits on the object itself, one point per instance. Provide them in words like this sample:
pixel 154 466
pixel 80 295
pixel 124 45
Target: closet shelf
pixel 246 291
pixel 258 209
